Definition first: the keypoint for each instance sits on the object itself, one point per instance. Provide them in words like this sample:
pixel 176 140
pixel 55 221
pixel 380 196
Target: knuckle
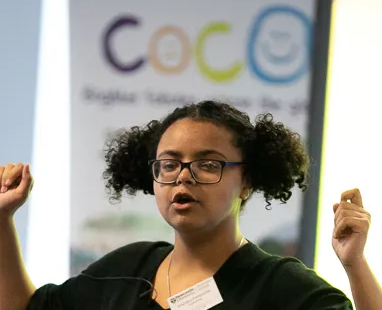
pixel 342 210
pixel 344 218
pixel 343 206
pixel 346 213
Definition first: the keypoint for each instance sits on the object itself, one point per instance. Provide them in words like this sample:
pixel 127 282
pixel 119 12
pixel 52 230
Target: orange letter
pixel 184 57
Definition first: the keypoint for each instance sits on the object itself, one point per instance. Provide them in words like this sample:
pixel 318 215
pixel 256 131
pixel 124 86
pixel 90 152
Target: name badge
pixel 202 296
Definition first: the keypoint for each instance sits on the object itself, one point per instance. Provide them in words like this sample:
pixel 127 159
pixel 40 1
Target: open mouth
pixel 183 198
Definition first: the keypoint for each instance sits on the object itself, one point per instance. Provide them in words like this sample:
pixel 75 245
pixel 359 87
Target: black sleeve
pixel 76 291
pixel 53 297
pixel 297 287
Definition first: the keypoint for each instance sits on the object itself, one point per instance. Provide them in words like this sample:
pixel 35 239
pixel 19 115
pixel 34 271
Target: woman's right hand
pixel 16 182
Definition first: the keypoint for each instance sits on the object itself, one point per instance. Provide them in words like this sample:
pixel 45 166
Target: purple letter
pixel 121 22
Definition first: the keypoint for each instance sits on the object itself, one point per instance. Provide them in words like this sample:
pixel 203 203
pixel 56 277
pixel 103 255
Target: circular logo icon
pixel 279 48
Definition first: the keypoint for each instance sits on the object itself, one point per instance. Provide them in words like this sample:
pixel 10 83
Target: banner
pixel 134 61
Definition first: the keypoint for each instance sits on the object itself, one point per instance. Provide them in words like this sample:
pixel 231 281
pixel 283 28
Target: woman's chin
pixel 186 224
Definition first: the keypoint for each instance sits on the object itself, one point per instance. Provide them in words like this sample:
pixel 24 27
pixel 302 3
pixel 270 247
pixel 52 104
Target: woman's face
pixel 187 140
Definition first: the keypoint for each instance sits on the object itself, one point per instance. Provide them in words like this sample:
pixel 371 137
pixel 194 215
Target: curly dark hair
pixel 275 156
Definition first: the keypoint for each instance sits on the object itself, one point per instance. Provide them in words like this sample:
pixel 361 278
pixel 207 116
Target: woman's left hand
pixel 351 226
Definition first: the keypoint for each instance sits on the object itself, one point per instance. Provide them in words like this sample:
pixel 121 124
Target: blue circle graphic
pixel 255 65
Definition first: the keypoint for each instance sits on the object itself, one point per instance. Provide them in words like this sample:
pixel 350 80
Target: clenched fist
pixel 16 182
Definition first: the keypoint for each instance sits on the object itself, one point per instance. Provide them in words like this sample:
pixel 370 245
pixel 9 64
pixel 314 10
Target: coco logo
pixel 278 48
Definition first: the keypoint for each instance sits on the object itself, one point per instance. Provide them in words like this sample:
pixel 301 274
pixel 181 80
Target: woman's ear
pixel 246 193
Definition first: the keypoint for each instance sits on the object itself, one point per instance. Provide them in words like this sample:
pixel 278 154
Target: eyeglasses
pixel 204 171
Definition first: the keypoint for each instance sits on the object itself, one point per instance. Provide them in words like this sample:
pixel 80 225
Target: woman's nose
pixel 185 177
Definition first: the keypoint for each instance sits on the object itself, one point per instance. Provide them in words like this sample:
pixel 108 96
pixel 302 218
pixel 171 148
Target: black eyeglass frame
pixel 188 166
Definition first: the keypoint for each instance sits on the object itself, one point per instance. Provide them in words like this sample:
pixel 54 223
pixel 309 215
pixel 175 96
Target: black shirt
pixel 249 279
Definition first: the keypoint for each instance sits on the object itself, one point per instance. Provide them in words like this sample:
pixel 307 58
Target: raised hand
pixel 16 182
pixel 351 226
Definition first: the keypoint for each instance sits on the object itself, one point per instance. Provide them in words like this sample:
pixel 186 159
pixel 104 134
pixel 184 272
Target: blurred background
pixel 73 72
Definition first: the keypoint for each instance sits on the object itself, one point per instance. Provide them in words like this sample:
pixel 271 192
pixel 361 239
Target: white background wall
pixel 353 143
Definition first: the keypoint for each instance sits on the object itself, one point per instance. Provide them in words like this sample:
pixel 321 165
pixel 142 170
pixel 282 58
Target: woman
pixel 202 162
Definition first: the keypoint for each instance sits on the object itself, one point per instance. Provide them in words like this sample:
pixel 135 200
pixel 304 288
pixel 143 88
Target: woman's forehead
pixel 189 136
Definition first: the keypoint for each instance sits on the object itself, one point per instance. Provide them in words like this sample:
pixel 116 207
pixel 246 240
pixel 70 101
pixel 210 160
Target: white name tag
pixel 202 296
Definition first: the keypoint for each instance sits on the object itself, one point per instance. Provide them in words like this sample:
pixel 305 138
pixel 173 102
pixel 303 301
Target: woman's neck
pixel 206 251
